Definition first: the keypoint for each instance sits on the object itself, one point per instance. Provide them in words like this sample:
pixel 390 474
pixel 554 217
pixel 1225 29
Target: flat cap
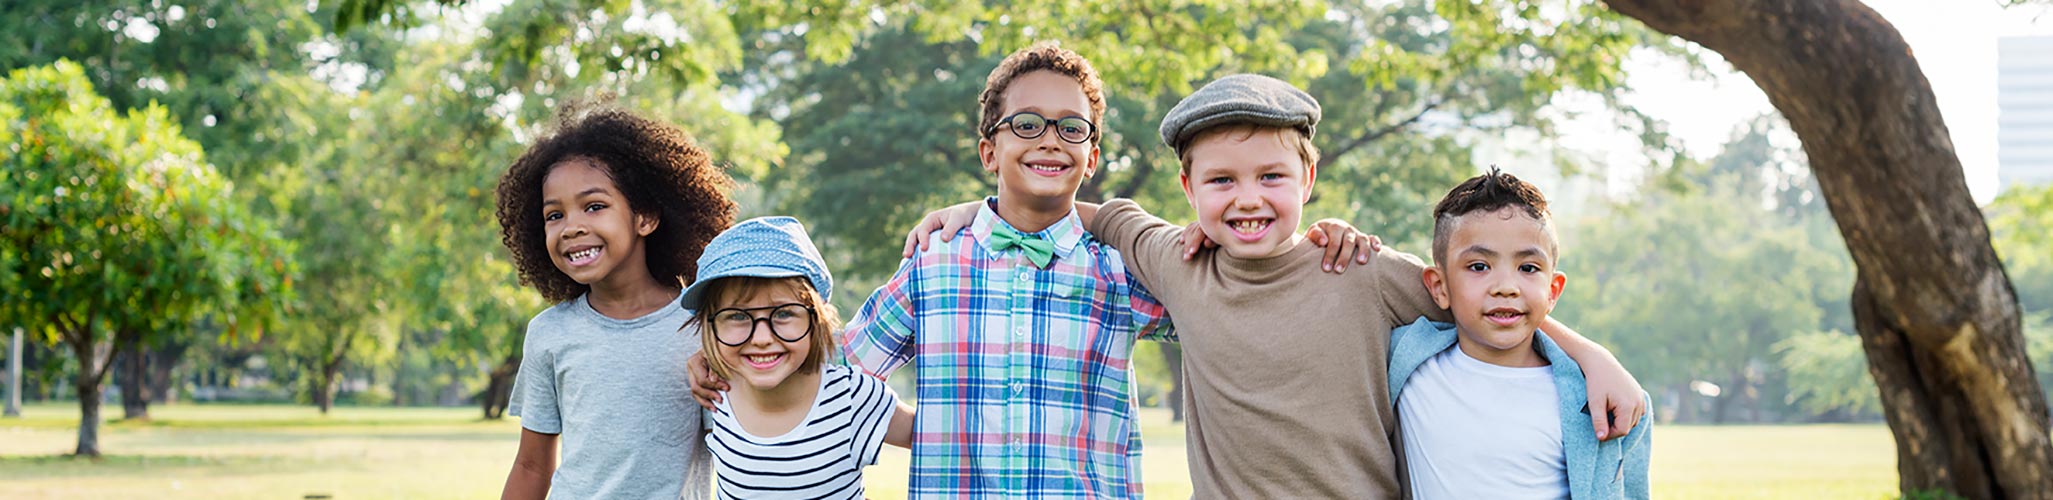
pixel 1237 99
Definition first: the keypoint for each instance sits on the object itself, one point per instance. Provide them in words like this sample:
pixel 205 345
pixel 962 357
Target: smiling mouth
pixel 1504 317
pixel 1250 229
pixel 582 257
pixel 1047 168
pixel 762 361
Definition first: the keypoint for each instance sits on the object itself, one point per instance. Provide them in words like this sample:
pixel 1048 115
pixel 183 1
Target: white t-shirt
pixel 821 458
pixel 1477 430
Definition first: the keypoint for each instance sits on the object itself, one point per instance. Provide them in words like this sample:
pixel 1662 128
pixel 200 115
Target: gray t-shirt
pixel 615 391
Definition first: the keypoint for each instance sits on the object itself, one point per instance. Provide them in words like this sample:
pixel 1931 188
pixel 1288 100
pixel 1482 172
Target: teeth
pixel 763 358
pixel 1046 168
pixel 1249 226
pixel 584 254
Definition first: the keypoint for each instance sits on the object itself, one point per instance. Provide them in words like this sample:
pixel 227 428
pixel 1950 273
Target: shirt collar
pixel 1066 232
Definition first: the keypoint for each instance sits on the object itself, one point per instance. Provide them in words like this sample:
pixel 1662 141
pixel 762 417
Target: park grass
pixel 236 451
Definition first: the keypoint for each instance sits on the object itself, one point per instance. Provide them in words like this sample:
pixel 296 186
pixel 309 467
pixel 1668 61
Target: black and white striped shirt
pixel 821 458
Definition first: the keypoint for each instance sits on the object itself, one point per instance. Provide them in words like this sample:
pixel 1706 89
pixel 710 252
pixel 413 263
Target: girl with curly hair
pixel 606 216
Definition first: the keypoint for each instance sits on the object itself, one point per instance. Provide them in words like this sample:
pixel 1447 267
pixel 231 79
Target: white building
pixel 2024 110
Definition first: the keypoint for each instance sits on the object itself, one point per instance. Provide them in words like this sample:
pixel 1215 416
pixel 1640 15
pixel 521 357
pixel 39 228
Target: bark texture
pixel 1936 314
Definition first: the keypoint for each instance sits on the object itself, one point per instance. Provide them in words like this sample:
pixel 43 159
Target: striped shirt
pixel 1023 373
pixel 821 458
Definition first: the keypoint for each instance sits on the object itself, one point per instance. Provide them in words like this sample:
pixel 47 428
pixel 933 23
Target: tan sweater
pixel 1285 367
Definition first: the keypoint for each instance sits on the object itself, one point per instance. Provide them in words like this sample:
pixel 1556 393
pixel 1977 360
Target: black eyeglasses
pixel 1030 125
pixel 788 322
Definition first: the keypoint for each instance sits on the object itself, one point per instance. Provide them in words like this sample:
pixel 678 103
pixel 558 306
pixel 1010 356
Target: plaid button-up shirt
pixel 1024 379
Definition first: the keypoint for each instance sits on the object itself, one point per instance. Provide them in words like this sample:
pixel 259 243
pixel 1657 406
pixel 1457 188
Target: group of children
pixel 1019 314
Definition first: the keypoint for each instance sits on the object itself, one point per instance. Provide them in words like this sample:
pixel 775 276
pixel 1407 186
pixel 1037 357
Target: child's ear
pixel 1555 286
pixel 1188 195
pixel 645 224
pixel 987 153
pixel 1436 283
pixel 1312 179
pixel 1091 164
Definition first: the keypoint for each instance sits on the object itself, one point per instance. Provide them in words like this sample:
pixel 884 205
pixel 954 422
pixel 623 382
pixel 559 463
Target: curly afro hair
pixel 656 166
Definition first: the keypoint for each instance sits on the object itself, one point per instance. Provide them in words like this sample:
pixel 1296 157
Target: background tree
pixel 1937 316
pixel 122 229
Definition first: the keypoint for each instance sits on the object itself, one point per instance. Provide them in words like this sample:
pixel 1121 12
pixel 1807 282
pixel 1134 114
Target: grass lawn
pixel 273 452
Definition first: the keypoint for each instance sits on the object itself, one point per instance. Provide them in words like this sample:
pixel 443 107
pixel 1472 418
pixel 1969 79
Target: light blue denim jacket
pixel 1596 470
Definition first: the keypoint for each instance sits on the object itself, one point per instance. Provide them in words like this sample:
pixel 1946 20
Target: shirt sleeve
pixel 882 336
pixel 1150 317
pixel 534 388
pixel 1639 451
pixel 874 404
pixel 1401 284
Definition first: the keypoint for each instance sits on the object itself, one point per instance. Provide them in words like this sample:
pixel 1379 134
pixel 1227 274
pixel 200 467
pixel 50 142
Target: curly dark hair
pixel 1048 56
pixel 1490 192
pixel 658 167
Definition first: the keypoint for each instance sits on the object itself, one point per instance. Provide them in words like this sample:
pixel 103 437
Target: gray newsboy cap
pixel 1243 98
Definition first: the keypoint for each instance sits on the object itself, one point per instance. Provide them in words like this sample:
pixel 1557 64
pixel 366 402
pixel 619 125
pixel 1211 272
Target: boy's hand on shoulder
pixel 947 220
pixel 1616 403
pixel 1343 243
pixel 705 386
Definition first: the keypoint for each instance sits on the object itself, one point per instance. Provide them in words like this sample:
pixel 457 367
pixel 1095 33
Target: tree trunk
pixel 324 388
pixel 1172 355
pixel 163 382
pixel 135 367
pixel 92 369
pixel 14 365
pixel 499 391
pixel 1937 316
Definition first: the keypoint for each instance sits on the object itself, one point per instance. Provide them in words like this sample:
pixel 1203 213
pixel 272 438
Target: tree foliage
pixel 117 227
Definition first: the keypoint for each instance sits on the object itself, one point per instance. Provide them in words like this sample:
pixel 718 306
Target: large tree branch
pixel 1854 93
pixel 1329 156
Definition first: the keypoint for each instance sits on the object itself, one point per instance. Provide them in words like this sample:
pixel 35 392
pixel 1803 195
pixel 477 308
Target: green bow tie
pixel 1037 249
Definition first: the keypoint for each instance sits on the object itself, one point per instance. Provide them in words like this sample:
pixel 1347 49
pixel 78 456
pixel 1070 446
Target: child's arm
pixel 1346 241
pixel 533 465
pixel 1615 396
pixel 900 431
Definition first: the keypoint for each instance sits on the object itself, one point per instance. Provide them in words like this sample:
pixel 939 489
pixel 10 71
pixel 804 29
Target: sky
pixel 1954 41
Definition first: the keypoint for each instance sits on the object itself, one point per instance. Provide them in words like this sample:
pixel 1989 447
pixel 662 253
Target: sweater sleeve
pixel 1401 284
pixel 1147 243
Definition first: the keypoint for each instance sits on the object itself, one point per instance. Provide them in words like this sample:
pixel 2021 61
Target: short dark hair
pixel 1489 192
pixel 1041 56
pixel 658 167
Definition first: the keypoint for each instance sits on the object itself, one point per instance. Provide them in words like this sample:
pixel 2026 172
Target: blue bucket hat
pixel 763 247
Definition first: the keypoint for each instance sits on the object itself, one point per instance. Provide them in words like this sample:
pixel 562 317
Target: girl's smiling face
pixel 773 327
pixel 592 234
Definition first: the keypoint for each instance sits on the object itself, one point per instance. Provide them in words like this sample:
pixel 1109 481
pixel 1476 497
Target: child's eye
pixel 1271 177
pixel 1529 268
pixel 1478 267
pixel 595 207
pixel 552 215
pixel 1219 180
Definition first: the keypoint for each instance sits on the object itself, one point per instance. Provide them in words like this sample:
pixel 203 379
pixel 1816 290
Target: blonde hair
pixel 1290 136
pixel 723 292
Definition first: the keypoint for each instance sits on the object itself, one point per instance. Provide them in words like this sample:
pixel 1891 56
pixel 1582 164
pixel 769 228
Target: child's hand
pixel 1616 402
pixel 705 386
pixel 1346 243
pixel 947 220
pixel 1194 239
